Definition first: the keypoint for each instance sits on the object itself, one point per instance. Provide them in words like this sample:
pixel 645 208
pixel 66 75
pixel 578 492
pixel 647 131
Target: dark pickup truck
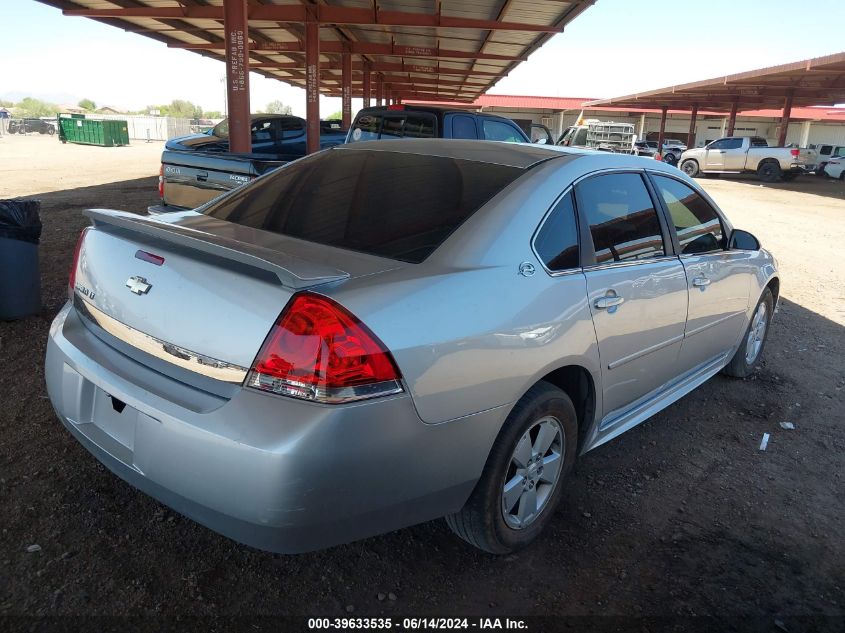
pixel 199 167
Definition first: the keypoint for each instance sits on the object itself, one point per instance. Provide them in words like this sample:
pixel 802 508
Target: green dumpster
pixel 78 128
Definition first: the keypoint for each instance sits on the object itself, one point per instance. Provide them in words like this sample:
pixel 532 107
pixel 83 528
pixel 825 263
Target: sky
pixel 615 47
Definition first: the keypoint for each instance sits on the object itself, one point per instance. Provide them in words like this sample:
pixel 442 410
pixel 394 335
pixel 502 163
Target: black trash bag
pixel 19 220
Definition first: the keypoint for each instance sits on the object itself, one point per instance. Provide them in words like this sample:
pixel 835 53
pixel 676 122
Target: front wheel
pixel 51 130
pixel 690 168
pixel 747 357
pixel 522 481
pixel 670 159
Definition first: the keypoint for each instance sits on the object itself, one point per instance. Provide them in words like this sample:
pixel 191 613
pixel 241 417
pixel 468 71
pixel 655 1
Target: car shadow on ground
pixel 682 516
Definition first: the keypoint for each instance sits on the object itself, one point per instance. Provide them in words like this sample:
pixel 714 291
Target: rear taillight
pixel 71 280
pixel 795 153
pixel 319 351
pixel 161 182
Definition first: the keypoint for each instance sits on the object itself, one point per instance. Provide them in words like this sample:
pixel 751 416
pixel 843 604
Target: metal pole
pixel 312 83
pixel 237 74
pixel 784 119
pixel 660 136
pixel 346 89
pixel 732 119
pixel 691 134
pixel 366 87
pixel 379 90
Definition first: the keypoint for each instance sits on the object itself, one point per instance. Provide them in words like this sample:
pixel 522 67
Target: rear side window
pixel 366 128
pixel 697 224
pixel 500 131
pixel 622 218
pixel 391 204
pixel 464 127
pixel 757 142
pixel 557 242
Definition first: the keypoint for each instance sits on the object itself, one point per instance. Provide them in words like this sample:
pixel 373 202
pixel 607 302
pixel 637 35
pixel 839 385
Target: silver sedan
pixel 387 333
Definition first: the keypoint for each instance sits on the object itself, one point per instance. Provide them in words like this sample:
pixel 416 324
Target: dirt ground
pixel 683 516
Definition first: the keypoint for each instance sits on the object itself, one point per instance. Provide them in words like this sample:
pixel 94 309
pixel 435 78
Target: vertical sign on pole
pixel 346 89
pixel 235 24
pixel 312 82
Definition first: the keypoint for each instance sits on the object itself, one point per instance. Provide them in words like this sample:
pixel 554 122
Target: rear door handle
pixel 202 176
pixel 701 282
pixel 608 302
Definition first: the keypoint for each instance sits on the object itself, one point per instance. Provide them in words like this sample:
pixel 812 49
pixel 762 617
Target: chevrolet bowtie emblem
pixel 138 285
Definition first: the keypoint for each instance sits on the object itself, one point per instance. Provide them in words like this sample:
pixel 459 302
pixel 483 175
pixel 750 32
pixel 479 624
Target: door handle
pixel 608 302
pixel 701 282
pixel 202 176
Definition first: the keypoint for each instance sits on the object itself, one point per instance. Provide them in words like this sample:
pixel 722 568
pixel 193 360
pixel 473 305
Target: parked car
pixel 605 136
pixel 401 121
pixel 835 168
pixel 24 126
pixel 645 148
pixel 199 167
pixel 672 150
pixel 386 333
pixel 827 152
pixel 743 154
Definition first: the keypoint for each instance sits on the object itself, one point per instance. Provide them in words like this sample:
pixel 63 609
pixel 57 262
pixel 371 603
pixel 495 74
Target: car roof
pixel 425 108
pixel 522 155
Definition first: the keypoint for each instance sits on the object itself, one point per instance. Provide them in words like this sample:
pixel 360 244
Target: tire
pixel 690 168
pixel 748 355
pixel 485 521
pixel 769 171
pixel 670 159
pixel 51 130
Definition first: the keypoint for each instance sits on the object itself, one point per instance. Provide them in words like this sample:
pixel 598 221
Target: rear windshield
pixel 390 204
pixel 398 124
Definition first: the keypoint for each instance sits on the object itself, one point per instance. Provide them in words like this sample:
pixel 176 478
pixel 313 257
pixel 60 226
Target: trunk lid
pixel 209 305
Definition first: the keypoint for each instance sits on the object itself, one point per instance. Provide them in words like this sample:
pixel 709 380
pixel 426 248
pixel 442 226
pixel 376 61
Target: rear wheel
pixel 670 159
pixel 51 130
pixel 690 168
pixel 769 171
pixel 522 481
pixel 750 350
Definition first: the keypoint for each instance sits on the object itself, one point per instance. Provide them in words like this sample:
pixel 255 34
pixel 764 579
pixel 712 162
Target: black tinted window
pixel 696 222
pixel 622 219
pixel 463 127
pixel 391 204
pixel 419 126
pixel 392 127
pixel 366 128
pixel 757 142
pixel 557 242
pixel 500 131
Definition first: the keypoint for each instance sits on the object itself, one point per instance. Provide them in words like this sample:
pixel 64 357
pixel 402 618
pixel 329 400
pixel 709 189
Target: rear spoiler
pixel 293 272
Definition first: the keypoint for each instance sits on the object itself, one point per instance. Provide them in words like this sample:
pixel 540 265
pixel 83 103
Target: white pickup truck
pixel 743 154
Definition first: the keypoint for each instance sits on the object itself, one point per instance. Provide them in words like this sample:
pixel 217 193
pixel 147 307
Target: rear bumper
pixel 271 472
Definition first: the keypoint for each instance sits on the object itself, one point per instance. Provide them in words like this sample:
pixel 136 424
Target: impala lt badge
pixel 138 285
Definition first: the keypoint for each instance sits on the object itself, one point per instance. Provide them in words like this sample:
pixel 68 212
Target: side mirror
pixel 743 241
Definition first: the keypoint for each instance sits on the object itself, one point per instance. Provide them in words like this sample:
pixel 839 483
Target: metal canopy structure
pixel 387 50
pixel 817 81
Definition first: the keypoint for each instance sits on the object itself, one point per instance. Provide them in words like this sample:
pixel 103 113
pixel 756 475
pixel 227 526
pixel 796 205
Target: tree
pixel 182 109
pixel 277 107
pixel 35 108
pixel 335 116
pixel 213 114
pixel 87 104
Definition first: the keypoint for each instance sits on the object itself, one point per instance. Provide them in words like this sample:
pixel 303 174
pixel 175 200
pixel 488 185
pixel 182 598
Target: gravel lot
pixel 681 516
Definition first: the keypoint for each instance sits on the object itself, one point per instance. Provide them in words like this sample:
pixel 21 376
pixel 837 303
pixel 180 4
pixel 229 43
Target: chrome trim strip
pixel 632 262
pixel 168 352
pixel 643 352
pixel 700 329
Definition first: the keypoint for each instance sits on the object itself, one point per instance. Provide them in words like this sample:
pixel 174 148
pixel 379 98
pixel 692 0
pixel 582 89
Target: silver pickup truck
pixel 743 154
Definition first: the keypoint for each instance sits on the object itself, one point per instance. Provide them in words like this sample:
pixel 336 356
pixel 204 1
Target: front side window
pixel 499 131
pixel 557 242
pixel 622 219
pixel 697 224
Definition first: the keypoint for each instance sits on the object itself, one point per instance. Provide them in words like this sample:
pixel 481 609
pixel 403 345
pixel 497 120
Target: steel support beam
pixel 387 67
pixel 312 86
pixel 784 119
pixel 235 25
pixel 379 90
pixel 691 134
pixel 732 118
pixel 346 87
pixel 366 87
pixel 322 14
pixel 359 48
pixel 662 133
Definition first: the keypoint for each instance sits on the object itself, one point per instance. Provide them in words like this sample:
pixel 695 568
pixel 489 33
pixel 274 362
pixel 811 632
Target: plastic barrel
pixel 20 279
